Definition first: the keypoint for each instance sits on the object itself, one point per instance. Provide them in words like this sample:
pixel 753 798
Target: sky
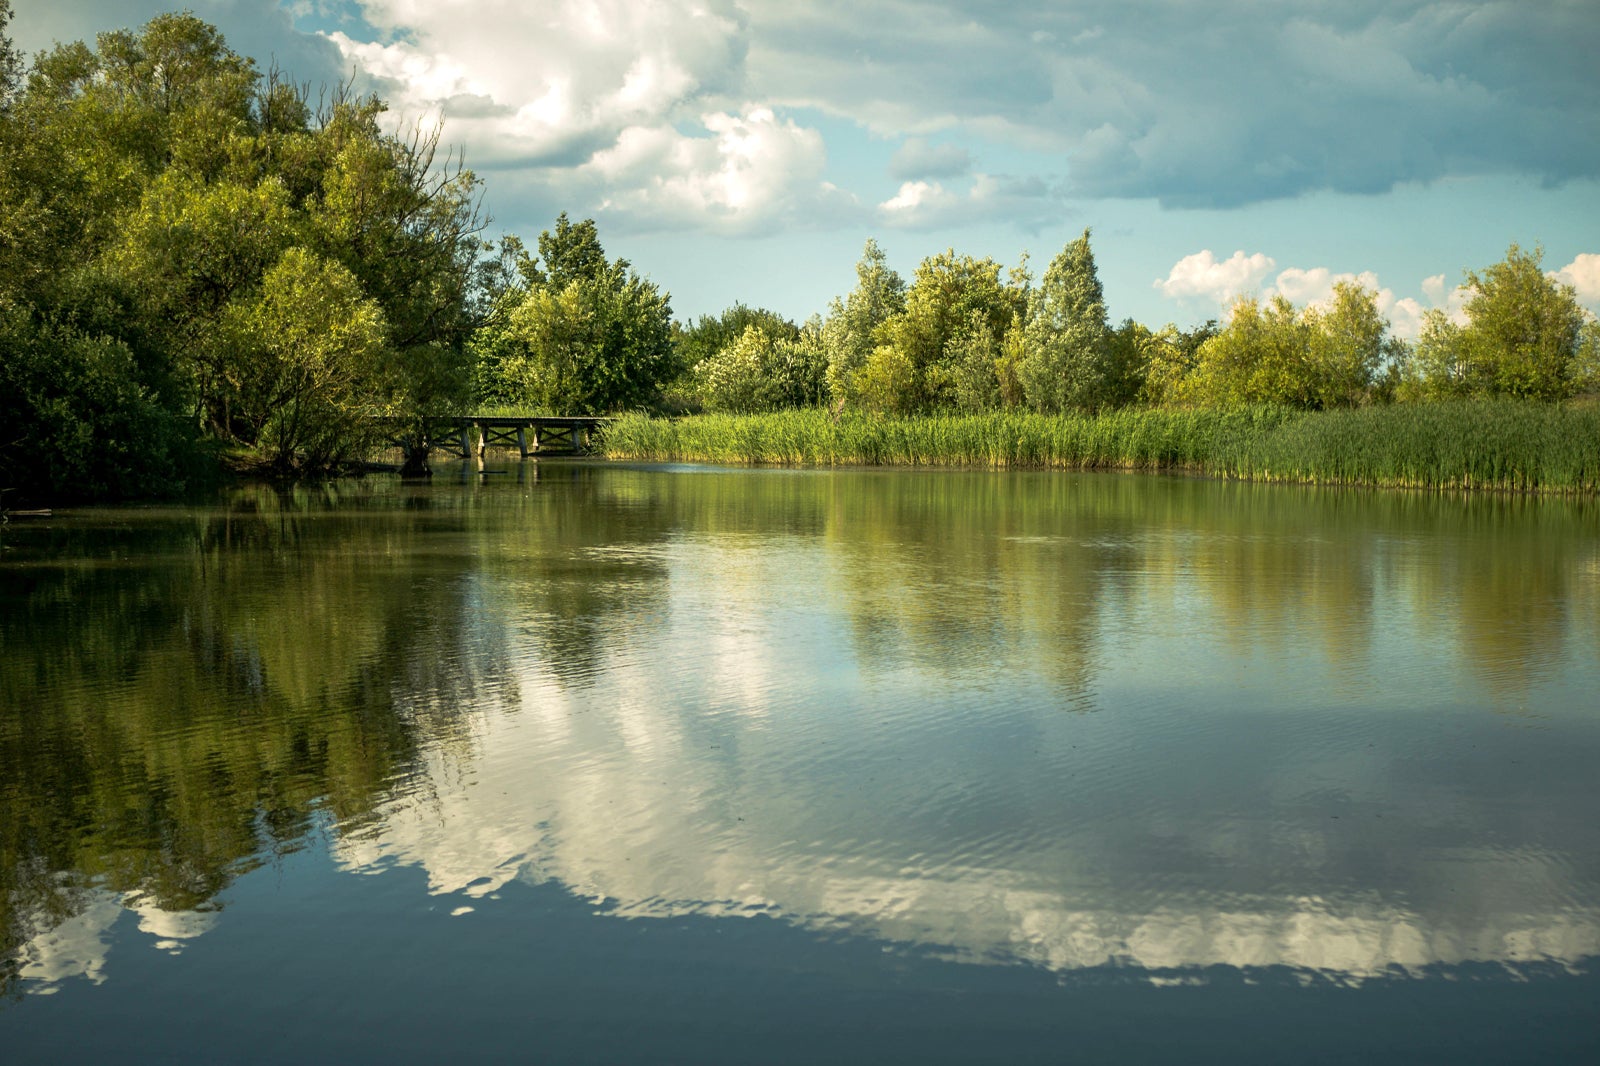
pixel 745 150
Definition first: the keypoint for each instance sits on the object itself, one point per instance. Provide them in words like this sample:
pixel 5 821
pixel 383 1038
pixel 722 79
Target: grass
pixel 1488 444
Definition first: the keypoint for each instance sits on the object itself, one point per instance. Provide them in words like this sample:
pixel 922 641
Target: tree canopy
pixel 574 332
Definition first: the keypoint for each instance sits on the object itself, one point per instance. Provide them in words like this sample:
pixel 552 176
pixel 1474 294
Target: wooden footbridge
pixel 469 436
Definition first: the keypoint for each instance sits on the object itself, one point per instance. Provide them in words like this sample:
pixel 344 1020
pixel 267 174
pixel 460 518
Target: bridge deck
pixel 529 434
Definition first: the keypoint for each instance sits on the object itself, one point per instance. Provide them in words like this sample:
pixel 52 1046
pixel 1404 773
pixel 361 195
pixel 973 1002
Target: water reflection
pixel 1063 721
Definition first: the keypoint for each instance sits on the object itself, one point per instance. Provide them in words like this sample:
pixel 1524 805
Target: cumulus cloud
pixel 1027 202
pixel 751 172
pixel 1583 274
pixel 1193 105
pixel 1220 281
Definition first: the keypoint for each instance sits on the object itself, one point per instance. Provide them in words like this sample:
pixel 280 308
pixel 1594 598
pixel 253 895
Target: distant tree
pixel 738 377
pixel 709 334
pixel 957 314
pixel 1586 368
pixel 761 372
pixel 1523 336
pixel 1346 346
pixel 851 330
pixel 1066 362
pixel 1523 329
pixel 1259 357
pixel 571 252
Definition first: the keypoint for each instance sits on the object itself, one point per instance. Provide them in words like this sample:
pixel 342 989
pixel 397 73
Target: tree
pixel 10 59
pixel 957 314
pixel 312 373
pixel 710 334
pixel 850 332
pixel 739 377
pixel 150 185
pixel 1066 360
pixel 1346 346
pixel 1259 357
pixel 581 335
pixel 762 372
pixel 1170 356
pixel 1523 336
pixel 571 253
pixel 1523 329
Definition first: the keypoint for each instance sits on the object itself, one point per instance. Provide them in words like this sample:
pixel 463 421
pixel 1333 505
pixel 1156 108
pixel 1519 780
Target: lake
pixel 588 762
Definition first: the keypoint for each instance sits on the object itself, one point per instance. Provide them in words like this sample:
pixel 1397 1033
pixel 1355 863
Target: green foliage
pixel 739 376
pixel 309 363
pixel 851 331
pixel 598 340
pixel 149 188
pixel 75 422
pixel 946 341
pixel 762 372
pixel 10 58
pixel 1345 346
pixel 1066 360
pixel 1523 336
pixel 709 335
pixel 1278 354
pixel 1261 357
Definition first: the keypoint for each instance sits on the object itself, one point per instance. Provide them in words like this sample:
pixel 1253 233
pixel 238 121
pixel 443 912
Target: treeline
pixel 204 262
pixel 966 337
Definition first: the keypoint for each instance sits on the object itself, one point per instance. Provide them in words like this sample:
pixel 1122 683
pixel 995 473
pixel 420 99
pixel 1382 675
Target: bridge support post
pixel 522 440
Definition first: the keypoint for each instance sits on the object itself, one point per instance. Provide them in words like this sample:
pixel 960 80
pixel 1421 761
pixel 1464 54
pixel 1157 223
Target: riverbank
pixel 1501 445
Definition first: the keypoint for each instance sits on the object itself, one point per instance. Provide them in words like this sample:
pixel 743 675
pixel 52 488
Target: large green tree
pixel 1523 336
pixel 1066 355
pixel 577 334
pixel 944 346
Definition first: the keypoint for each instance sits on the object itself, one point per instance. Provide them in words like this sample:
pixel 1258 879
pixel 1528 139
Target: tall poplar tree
pixel 1066 356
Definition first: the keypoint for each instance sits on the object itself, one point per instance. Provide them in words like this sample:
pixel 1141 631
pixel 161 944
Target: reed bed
pixel 1507 445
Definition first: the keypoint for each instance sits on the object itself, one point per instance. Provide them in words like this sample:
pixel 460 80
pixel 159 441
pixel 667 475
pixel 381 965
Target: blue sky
pixel 746 149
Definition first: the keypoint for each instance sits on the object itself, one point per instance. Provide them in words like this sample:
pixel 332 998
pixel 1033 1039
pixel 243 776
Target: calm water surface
pixel 579 762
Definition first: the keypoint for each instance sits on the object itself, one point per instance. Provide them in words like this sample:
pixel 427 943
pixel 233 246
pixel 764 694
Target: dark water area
pixel 587 762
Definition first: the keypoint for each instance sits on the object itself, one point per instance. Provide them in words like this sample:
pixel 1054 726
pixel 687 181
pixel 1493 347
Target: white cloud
pixel 1583 274
pixel 1314 287
pixel 929 204
pixel 1220 281
pixel 753 171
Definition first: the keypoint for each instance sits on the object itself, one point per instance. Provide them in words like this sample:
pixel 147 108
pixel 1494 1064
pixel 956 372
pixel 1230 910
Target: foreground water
pixel 582 762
